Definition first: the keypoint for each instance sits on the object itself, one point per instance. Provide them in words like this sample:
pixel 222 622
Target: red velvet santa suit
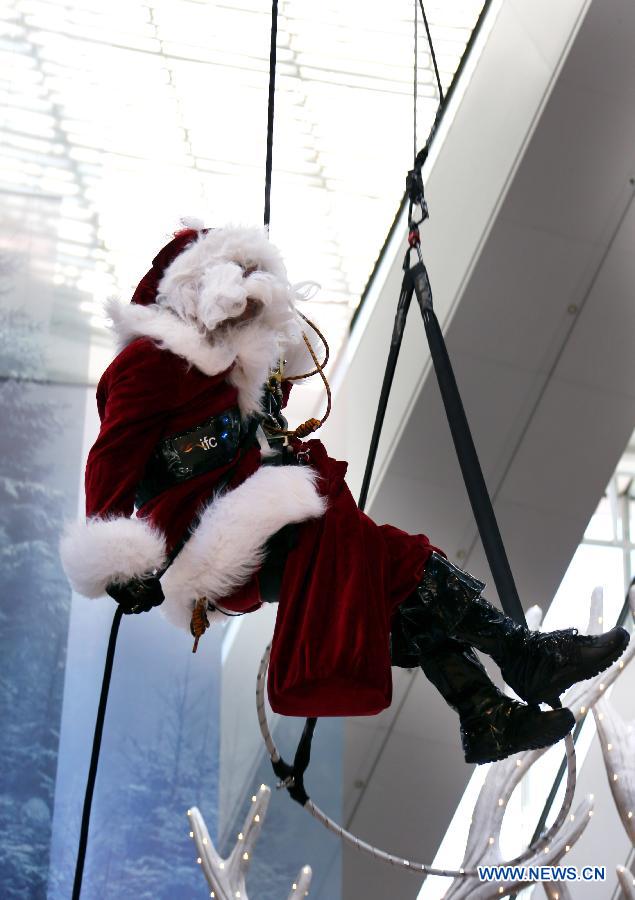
pixel 345 575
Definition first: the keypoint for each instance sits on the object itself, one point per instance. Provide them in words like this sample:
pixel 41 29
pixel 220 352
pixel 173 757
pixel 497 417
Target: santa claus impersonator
pixel 234 510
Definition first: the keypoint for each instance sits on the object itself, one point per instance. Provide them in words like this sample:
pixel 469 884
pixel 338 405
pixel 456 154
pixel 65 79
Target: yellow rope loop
pixel 307 428
pixel 310 425
pixel 199 622
pixel 327 351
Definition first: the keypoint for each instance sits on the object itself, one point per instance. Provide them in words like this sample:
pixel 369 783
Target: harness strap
pixel 292 777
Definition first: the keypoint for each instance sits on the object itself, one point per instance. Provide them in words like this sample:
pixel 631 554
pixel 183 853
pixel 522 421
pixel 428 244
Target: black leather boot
pixel 537 666
pixel 493 726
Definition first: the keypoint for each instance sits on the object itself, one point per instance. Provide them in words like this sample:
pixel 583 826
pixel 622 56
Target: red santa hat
pixel 146 290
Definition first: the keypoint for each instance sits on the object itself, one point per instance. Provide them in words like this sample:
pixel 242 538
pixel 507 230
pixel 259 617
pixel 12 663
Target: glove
pixel 138 595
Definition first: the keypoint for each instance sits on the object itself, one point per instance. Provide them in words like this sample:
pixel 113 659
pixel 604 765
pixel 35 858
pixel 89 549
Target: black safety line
pixel 432 53
pixel 105 685
pixel 396 222
pixel 415 80
pixel 270 109
pixel 94 757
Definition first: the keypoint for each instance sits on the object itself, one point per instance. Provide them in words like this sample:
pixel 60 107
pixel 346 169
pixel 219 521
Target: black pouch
pixel 186 454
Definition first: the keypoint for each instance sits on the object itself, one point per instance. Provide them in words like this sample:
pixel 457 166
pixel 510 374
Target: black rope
pixel 432 53
pixel 395 344
pixel 270 109
pixel 414 89
pixel 94 758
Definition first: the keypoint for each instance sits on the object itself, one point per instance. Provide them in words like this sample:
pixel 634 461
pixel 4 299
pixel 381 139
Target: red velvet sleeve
pixel 135 397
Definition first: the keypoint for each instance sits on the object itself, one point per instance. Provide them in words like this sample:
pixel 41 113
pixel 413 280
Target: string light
pixel 582 710
pixel 609 746
pixel 590 813
pixel 621 664
pixel 254 798
pixel 294 886
pixel 601 717
pixel 630 815
pixel 601 686
pixel 221 865
pixel 189 812
pixel 546 849
pixel 240 836
pixel 205 840
pixel 256 818
pixel 567 847
pixel 306 870
pixel 500 801
pixel 615 776
pixel 199 861
pixel 191 834
pixel 519 763
pixel 245 855
pixel 491 841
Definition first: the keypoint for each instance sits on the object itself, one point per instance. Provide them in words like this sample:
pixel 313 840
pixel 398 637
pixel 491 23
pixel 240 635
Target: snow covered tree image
pixel 153 850
pixel 34 607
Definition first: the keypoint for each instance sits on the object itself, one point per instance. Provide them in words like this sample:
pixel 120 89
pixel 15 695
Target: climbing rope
pixel 312 424
pixel 270 110
pixel 94 756
pixel 294 783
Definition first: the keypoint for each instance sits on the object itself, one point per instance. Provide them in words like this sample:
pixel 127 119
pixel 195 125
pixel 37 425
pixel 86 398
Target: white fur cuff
pixel 228 544
pixel 106 551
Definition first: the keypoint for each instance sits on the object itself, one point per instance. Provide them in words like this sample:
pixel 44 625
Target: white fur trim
pixel 132 321
pixel 228 544
pixel 107 551
pixel 250 348
pixel 192 222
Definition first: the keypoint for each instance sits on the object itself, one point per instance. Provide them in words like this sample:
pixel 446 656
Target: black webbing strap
pixel 466 451
pixel 292 777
